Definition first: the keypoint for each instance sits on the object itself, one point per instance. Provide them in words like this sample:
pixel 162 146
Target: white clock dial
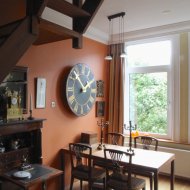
pixel 14 101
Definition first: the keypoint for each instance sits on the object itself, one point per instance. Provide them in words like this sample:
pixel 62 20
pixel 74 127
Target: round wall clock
pixel 81 89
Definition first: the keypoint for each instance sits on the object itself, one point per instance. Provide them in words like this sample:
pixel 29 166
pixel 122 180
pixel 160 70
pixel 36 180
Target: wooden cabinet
pixel 28 135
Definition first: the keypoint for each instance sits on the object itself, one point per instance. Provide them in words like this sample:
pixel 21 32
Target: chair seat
pixel 136 183
pixel 83 174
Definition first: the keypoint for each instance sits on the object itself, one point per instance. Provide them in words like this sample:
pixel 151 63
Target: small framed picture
pixel 40 93
pixel 100 108
pixel 100 88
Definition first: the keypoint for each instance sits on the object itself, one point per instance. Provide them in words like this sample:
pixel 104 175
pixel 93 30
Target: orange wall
pixel 52 61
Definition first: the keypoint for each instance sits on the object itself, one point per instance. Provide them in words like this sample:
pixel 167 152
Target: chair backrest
pixel 147 142
pixel 79 159
pixel 116 138
pixel 114 157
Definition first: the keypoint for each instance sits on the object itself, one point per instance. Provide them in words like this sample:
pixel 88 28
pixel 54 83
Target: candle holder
pixel 31 106
pixel 130 128
pixel 30 117
pixel 102 124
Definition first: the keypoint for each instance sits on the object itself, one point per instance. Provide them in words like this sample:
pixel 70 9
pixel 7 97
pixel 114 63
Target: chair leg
pixel 151 183
pixel 104 181
pixel 71 184
pixel 89 185
pixel 80 184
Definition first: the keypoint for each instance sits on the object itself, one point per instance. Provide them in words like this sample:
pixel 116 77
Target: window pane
pixel 148 101
pixel 149 54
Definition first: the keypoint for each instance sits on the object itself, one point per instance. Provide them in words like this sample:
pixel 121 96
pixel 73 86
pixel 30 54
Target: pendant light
pixel 109 56
pixel 122 23
pixel 121 34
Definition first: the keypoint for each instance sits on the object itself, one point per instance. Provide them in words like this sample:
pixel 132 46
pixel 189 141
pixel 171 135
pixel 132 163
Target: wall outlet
pixel 53 104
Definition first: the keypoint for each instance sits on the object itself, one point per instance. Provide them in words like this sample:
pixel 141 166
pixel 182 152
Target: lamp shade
pixel 123 55
pixel 108 57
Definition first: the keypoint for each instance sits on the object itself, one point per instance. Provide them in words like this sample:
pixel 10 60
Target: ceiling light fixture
pixel 121 34
pixel 109 56
pixel 122 23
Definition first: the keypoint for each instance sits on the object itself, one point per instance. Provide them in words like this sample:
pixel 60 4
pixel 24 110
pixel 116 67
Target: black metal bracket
pixel 122 14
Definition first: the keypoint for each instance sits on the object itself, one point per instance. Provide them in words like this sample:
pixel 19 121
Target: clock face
pixel 81 89
pixel 14 101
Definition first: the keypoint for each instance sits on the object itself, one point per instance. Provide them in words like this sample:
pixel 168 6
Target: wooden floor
pixel 164 184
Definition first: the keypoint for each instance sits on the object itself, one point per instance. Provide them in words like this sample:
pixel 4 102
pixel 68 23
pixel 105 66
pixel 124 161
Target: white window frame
pixel 188 87
pixel 173 85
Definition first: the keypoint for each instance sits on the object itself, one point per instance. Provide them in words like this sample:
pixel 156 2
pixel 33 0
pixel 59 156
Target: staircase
pixel 21 26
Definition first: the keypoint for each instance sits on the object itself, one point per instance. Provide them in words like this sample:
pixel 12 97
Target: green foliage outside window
pixel 148 102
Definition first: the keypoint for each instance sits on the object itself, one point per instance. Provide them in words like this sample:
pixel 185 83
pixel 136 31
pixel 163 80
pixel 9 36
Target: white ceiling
pixel 140 15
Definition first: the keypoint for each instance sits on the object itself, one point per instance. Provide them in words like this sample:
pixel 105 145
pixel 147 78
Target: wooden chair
pixel 116 178
pixel 148 143
pixel 116 138
pixel 81 166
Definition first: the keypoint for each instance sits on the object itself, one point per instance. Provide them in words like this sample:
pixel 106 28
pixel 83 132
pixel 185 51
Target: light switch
pixel 53 104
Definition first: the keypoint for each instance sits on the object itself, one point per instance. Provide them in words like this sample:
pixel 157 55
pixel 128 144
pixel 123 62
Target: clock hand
pixel 88 84
pixel 78 78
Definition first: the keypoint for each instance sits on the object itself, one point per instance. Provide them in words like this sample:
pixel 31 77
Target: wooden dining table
pixel 145 160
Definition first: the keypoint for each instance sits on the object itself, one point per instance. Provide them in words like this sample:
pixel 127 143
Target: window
pixel 150 86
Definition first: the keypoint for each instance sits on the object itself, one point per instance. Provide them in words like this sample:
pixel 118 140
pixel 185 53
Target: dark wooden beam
pixel 7 29
pixel 78 42
pixel 35 7
pixel 81 24
pixel 51 32
pixel 78 3
pixel 15 46
pixel 42 7
pixel 11 11
pixel 67 8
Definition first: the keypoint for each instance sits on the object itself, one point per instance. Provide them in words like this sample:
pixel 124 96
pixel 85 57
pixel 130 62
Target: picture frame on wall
pixel 40 93
pixel 100 88
pixel 100 108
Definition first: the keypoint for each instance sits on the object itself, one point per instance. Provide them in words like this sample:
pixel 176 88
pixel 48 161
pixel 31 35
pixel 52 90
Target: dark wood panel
pixel 67 8
pixel 6 30
pixel 20 126
pixel 12 10
pixel 15 46
pixel 28 135
pixel 81 24
pixel 51 32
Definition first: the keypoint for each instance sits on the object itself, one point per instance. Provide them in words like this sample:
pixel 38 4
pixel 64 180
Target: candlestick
pixel 130 128
pixel 102 124
pixel 31 107
pixel 31 104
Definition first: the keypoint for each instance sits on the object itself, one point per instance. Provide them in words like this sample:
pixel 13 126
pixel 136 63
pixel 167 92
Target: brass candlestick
pixel 130 128
pixel 102 124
